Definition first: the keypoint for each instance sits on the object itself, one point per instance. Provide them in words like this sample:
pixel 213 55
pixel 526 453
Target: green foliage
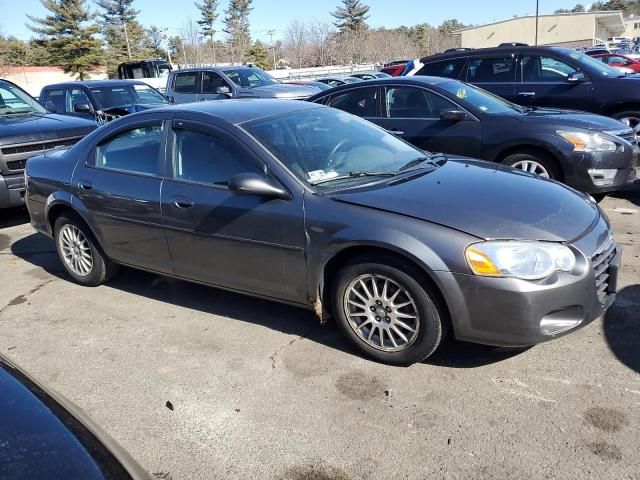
pixel 154 42
pixel 450 26
pixel 208 16
pixel 236 26
pixel 351 16
pixel 259 56
pixel 68 36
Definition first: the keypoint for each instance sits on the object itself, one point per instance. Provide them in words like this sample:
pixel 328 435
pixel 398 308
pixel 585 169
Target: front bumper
pixel 12 190
pixel 624 163
pixel 513 312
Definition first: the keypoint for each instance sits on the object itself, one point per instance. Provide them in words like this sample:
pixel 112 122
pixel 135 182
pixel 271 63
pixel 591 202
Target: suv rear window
pixel 445 68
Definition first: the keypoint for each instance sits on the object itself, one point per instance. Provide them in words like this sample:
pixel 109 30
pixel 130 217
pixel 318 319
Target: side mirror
pixel 223 90
pixel 453 115
pixel 576 77
pixel 82 108
pixel 254 184
pixel 49 105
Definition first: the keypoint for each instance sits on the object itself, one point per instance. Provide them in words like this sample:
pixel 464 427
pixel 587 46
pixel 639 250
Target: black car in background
pixel 27 129
pixel 44 436
pixel 550 77
pixel 101 100
pixel 308 205
pixel 589 152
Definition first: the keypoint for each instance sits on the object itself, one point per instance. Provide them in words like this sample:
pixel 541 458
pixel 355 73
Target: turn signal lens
pixel 481 264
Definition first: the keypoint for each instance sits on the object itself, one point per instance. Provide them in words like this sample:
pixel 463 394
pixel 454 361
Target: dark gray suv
pixel 312 206
pixel 219 83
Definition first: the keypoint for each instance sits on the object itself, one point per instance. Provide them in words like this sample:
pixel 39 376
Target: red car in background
pixel 619 61
pixel 394 70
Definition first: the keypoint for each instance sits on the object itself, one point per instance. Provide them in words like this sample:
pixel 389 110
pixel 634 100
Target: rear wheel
pixel 534 162
pixel 631 118
pixel 79 252
pixel 384 309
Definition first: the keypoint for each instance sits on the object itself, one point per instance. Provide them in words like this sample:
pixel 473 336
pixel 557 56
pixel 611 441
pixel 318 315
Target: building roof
pixel 607 17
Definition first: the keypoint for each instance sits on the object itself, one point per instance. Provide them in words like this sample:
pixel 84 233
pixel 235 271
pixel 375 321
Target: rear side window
pixel 208 158
pixel 492 70
pixel 134 151
pixel 360 101
pixel 445 68
pixel 185 82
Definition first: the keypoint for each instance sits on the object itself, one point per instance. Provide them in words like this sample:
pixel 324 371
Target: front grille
pixel 628 135
pixel 601 263
pixel 38 147
pixel 17 164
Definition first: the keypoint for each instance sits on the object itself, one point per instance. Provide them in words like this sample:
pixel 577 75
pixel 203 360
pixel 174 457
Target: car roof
pixel 416 80
pixel 240 110
pixel 97 83
pixel 482 51
pixel 222 68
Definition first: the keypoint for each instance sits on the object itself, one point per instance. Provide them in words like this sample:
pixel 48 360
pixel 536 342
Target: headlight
pixel 588 142
pixel 525 260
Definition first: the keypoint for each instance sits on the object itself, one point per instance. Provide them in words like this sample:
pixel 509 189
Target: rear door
pixel 543 83
pixel 119 184
pixel 495 73
pixel 413 113
pixel 184 87
pixel 241 242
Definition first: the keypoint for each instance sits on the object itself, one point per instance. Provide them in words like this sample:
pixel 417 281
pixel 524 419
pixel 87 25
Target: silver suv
pixel 216 83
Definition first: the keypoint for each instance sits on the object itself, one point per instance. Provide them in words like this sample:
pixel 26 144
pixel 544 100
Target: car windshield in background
pixel 333 148
pixel 602 68
pixel 111 97
pixel 13 101
pixel 250 77
pixel 481 99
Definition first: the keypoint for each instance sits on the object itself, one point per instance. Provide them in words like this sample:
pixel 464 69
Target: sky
pixel 276 14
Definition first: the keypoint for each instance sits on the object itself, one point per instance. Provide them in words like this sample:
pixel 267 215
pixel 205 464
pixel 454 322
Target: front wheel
pixel 387 312
pixel 80 253
pixel 533 162
pixel 630 118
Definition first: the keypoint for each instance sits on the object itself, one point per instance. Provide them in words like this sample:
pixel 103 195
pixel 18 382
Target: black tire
pixel 539 157
pixel 598 197
pixel 633 115
pixel 432 315
pixel 102 269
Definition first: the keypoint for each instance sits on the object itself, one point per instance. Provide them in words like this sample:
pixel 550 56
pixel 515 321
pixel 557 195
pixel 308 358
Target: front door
pixel 544 84
pixel 213 87
pixel 242 242
pixel 414 114
pixel 120 185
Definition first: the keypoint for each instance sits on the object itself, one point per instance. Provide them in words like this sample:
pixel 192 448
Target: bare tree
pixel 320 34
pixel 296 41
pixel 190 34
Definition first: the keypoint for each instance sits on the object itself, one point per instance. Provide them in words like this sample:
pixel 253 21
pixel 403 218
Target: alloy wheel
pixel 633 123
pixel 381 312
pixel 532 166
pixel 76 250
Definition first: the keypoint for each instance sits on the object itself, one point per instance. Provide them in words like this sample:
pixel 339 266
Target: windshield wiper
pixel 354 175
pixel 417 161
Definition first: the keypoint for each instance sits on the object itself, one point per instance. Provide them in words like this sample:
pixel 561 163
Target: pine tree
pixel 351 16
pixel 258 55
pixel 208 16
pixel 68 38
pixel 236 26
pixel 118 15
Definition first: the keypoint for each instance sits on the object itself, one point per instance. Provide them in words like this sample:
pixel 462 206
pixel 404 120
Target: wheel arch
pixel 622 107
pixel 62 202
pixel 532 148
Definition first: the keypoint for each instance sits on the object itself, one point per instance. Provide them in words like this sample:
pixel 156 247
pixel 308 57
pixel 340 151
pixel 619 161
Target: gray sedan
pixel 312 206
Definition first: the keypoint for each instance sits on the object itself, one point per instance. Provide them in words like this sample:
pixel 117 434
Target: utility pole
pixel 126 38
pixel 537 18
pixel 273 46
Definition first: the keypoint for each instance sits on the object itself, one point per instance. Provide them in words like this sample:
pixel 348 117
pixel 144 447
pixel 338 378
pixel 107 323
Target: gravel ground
pixel 261 390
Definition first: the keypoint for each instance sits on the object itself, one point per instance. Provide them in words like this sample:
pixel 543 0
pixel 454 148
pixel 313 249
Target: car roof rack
pixel 513 44
pixel 459 49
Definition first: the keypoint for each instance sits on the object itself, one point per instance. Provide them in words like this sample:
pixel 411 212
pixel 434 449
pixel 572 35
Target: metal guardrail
pixel 318 72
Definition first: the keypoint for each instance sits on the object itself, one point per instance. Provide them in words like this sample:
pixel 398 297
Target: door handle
pixel 527 94
pixel 85 185
pixel 395 131
pixel 182 203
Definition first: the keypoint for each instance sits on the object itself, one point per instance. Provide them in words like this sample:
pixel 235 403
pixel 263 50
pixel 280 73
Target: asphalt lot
pixel 261 390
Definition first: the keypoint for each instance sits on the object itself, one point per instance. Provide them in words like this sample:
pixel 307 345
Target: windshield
pixel 162 70
pixel 14 100
pixel 481 99
pixel 322 144
pixel 250 77
pixel 118 96
pixel 595 65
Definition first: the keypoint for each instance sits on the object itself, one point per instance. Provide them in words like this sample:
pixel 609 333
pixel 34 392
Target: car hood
pixel 15 129
pixel 487 200
pixel 572 118
pixel 280 90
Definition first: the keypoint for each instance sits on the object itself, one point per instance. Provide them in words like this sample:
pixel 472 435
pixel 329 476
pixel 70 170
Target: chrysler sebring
pixel 312 206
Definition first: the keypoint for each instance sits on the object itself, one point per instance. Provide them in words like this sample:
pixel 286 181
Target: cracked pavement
pixel 261 390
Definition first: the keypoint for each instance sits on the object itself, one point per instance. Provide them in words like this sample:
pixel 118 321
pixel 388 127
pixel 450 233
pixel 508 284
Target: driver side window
pixel 544 69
